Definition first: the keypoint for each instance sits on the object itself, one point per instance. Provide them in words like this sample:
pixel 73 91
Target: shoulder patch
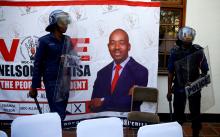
pixel 198 47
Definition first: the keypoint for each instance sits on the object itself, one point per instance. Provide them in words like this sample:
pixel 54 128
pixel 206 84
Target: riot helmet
pixel 57 17
pixel 186 34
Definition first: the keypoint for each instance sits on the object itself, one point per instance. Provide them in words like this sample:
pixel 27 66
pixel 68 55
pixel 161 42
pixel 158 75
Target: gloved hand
pixel 33 93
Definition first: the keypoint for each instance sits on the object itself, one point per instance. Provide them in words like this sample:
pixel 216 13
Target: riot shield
pixel 193 73
pixel 69 60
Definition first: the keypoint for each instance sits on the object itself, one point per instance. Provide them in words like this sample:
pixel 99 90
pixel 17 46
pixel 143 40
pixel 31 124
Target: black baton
pixel 38 106
pixel 171 111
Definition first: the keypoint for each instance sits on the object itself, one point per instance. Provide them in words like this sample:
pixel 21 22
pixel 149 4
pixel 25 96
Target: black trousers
pixel 194 107
pixel 59 107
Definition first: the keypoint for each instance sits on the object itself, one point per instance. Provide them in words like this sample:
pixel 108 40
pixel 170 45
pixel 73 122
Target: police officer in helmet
pixel 48 62
pixel 180 74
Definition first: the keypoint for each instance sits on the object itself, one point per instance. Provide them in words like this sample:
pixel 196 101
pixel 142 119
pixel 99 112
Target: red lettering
pixel 9 55
pixel 81 46
pixel 80 40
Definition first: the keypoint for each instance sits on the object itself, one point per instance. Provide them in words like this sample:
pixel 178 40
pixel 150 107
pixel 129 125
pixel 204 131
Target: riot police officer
pixel 48 62
pixel 181 73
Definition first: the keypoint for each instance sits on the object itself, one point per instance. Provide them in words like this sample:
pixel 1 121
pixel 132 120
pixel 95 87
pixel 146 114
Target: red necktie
pixel 116 76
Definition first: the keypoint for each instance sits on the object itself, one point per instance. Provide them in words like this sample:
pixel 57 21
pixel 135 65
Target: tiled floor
pixel 209 130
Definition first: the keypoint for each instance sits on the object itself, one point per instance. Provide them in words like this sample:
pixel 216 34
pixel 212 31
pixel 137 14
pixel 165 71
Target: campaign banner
pixel 92 22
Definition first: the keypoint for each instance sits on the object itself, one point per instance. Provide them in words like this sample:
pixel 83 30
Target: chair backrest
pixel 40 125
pixel 100 127
pixel 144 94
pixel 3 134
pixel 172 129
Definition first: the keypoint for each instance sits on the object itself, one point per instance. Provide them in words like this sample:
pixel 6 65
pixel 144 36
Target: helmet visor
pixel 186 34
pixel 63 19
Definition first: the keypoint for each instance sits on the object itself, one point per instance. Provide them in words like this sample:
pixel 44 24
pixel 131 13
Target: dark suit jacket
pixel 132 74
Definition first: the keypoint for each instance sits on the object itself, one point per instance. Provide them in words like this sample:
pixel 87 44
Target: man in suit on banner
pixel 113 82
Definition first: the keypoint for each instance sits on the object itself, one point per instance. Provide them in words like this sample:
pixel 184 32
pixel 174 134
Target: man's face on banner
pixel 119 45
